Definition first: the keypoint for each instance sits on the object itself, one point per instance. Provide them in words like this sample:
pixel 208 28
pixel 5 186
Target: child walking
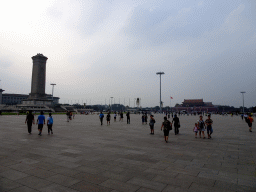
pixel 50 123
pixel 195 129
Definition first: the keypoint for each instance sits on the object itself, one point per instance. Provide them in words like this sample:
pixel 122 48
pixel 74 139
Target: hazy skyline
pixel 102 49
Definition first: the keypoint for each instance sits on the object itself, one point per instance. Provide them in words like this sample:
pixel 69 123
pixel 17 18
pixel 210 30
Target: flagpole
pixel 171 103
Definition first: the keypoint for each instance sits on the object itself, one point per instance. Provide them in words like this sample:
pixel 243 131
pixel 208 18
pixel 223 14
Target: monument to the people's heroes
pixel 37 95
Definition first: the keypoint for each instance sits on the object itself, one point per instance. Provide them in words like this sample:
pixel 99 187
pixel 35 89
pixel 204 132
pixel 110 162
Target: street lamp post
pixel 243 98
pixel 52 90
pixel 111 103
pixel 160 73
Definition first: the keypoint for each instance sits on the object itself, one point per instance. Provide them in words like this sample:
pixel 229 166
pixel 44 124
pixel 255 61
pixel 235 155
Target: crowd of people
pixel 199 129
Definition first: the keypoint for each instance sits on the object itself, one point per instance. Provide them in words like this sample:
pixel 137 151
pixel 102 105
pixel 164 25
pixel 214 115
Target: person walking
pixel 245 117
pixel 146 118
pixel 176 121
pixel 50 123
pixel 40 122
pixel 250 120
pixel 29 120
pixel 201 126
pixel 151 124
pixel 128 117
pixel 167 127
pixel 67 116
pixel 121 116
pixel 209 123
pixel 143 119
pixel 195 129
pixel 108 118
pixel 70 115
pixel 115 117
pixel 101 116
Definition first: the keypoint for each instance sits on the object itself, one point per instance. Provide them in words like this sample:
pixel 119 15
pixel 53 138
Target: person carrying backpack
pixel 201 126
pixel 167 125
pixel 50 123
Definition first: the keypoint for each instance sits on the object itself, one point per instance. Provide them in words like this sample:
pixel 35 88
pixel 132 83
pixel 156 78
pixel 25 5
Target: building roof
pixel 14 94
pixel 193 101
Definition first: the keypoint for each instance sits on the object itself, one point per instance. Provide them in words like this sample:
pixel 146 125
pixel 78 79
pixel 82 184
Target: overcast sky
pixel 99 49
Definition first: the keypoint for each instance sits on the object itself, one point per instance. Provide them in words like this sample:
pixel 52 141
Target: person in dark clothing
pixel 146 118
pixel 209 123
pixel 121 116
pixel 152 121
pixel 176 121
pixel 29 120
pixel 128 117
pixel 108 118
pixel 67 116
pixel 143 119
pixel 167 126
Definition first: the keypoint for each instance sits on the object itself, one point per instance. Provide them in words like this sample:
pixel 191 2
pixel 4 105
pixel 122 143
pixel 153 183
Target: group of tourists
pixel 144 118
pixel 108 118
pixel 201 125
pixel 40 122
pixel 166 126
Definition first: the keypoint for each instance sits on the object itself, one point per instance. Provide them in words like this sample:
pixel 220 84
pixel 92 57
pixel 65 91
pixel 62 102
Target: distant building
pixel 1 92
pixel 198 105
pixel 14 99
pixel 195 103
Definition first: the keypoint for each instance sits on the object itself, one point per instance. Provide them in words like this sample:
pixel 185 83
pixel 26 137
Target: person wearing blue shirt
pixel 40 122
pixel 50 123
pixel 101 117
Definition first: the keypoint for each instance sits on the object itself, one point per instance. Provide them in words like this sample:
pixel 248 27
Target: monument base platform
pixel 37 102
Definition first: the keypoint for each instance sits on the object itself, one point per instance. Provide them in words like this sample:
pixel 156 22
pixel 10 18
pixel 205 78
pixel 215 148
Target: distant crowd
pixel 199 128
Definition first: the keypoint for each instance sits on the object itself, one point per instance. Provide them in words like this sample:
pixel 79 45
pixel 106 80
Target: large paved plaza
pixel 81 155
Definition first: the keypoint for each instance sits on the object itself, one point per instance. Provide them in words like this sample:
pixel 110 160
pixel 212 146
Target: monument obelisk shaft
pixel 38 77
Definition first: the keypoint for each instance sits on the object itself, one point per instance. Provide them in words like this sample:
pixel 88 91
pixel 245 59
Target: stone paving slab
pixel 82 155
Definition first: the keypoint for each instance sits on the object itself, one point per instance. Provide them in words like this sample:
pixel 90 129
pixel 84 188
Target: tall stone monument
pixel 37 95
pixel 38 76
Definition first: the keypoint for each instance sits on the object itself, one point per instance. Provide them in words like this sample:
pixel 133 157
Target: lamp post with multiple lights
pixel 160 73
pixel 52 90
pixel 243 98
pixel 111 103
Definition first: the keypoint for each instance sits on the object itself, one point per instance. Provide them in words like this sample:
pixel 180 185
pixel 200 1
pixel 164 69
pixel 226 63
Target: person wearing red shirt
pixel 250 120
